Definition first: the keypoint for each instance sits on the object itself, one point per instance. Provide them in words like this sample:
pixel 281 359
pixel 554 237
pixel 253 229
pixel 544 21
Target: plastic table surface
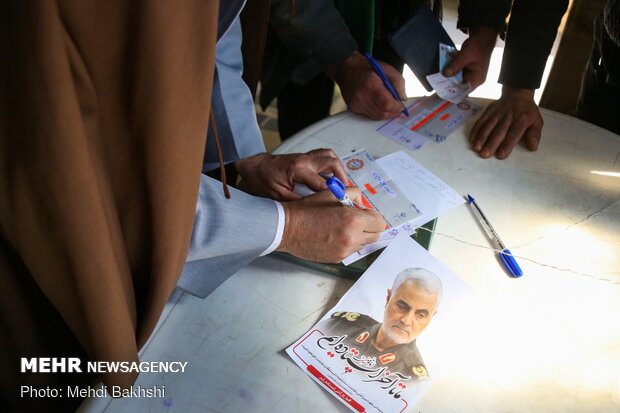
pixel 547 342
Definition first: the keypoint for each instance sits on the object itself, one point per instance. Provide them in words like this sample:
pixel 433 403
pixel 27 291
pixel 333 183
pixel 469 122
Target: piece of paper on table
pixel 339 353
pixel 449 88
pixel 378 189
pixel 430 118
pixel 432 197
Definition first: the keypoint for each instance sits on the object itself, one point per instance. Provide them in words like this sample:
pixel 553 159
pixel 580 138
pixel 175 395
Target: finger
pixel 473 133
pixel 496 137
pixel 533 135
pixel 384 106
pixel 323 152
pixel 354 193
pixel 368 238
pixel 311 179
pixel 374 221
pixel 329 164
pixel 483 133
pixel 457 64
pixel 475 78
pixel 280 193
pixel 514 135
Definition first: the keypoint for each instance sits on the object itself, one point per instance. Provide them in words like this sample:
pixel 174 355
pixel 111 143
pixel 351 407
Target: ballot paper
pixel 385 342
pixel 378 190
pixel 430 195
pixel 449 88
pixel 430 118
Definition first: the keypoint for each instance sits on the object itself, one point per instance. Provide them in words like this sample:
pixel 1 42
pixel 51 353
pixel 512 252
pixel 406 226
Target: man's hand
pixel 274 176
pixel 474 56
pixel 505 122
pixel 363 90
pixel 319 228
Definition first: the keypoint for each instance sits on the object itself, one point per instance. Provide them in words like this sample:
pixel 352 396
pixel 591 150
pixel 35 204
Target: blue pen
pixel 509 261
pixel 386 82
pixel 338 189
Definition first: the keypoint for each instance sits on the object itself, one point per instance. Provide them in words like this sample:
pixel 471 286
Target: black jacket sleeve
pixel 487 13
pixel 531 31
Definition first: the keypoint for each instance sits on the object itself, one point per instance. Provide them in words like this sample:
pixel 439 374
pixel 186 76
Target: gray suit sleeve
pixel 228 234
pixel 232 105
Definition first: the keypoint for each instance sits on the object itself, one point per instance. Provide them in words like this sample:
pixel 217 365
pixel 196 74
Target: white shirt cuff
pixel 279 232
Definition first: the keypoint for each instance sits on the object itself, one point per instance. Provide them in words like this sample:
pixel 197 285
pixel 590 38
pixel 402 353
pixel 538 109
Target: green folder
pixel 354 270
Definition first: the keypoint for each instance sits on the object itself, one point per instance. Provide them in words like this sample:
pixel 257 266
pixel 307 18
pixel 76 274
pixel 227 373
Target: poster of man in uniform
pixel 391 335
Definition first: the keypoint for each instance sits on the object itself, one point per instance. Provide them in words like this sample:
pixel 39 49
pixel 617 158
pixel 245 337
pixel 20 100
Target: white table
pixel 547 342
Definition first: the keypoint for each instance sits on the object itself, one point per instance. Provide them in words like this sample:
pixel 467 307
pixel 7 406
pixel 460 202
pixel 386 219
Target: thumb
pixel 455 65
pixel 354 193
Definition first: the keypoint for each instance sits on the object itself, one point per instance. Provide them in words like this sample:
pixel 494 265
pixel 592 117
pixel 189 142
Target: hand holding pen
pixel 319 228
pixel 386 81
pixel 364 91
pixel 337 188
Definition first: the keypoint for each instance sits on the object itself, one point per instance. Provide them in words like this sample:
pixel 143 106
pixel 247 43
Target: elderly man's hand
pixel 514 117
pixel 474 56
pixel 274 176
pixel 319 228
pixel 363 90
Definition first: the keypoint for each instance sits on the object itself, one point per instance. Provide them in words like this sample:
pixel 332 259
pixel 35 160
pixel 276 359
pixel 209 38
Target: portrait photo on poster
pixel 391 335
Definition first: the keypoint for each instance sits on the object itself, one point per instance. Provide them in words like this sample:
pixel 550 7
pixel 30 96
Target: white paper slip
pixel 449 88
pixel 430 118
pixel 430 194
pixel 392 334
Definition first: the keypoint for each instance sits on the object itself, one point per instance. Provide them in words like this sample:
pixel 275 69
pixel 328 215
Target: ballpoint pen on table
pixel 386 82
pixel 509 261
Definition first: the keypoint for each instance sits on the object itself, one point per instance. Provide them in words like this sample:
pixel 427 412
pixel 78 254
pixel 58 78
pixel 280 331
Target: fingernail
pixel 477 146
pixel 447 72
pixel 485 153
pixel 500 155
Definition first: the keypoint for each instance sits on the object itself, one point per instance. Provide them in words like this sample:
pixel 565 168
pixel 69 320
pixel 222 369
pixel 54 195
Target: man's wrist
pixel 517 92
pixel 335 70
pixel 484 34
pixel 287 229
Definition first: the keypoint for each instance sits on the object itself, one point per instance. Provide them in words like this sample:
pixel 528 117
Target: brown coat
pixel 104 108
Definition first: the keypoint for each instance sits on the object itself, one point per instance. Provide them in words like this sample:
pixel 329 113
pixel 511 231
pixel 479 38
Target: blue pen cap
pixel 337 187
pixel 510 263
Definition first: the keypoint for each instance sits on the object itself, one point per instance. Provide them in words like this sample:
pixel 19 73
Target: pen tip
pixel 470 198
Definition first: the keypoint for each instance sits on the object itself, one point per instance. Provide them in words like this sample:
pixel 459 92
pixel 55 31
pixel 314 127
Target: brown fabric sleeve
pixel 103 117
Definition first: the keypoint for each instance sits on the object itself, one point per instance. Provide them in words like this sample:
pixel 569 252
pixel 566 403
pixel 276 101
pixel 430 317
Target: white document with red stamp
pixel 406 193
